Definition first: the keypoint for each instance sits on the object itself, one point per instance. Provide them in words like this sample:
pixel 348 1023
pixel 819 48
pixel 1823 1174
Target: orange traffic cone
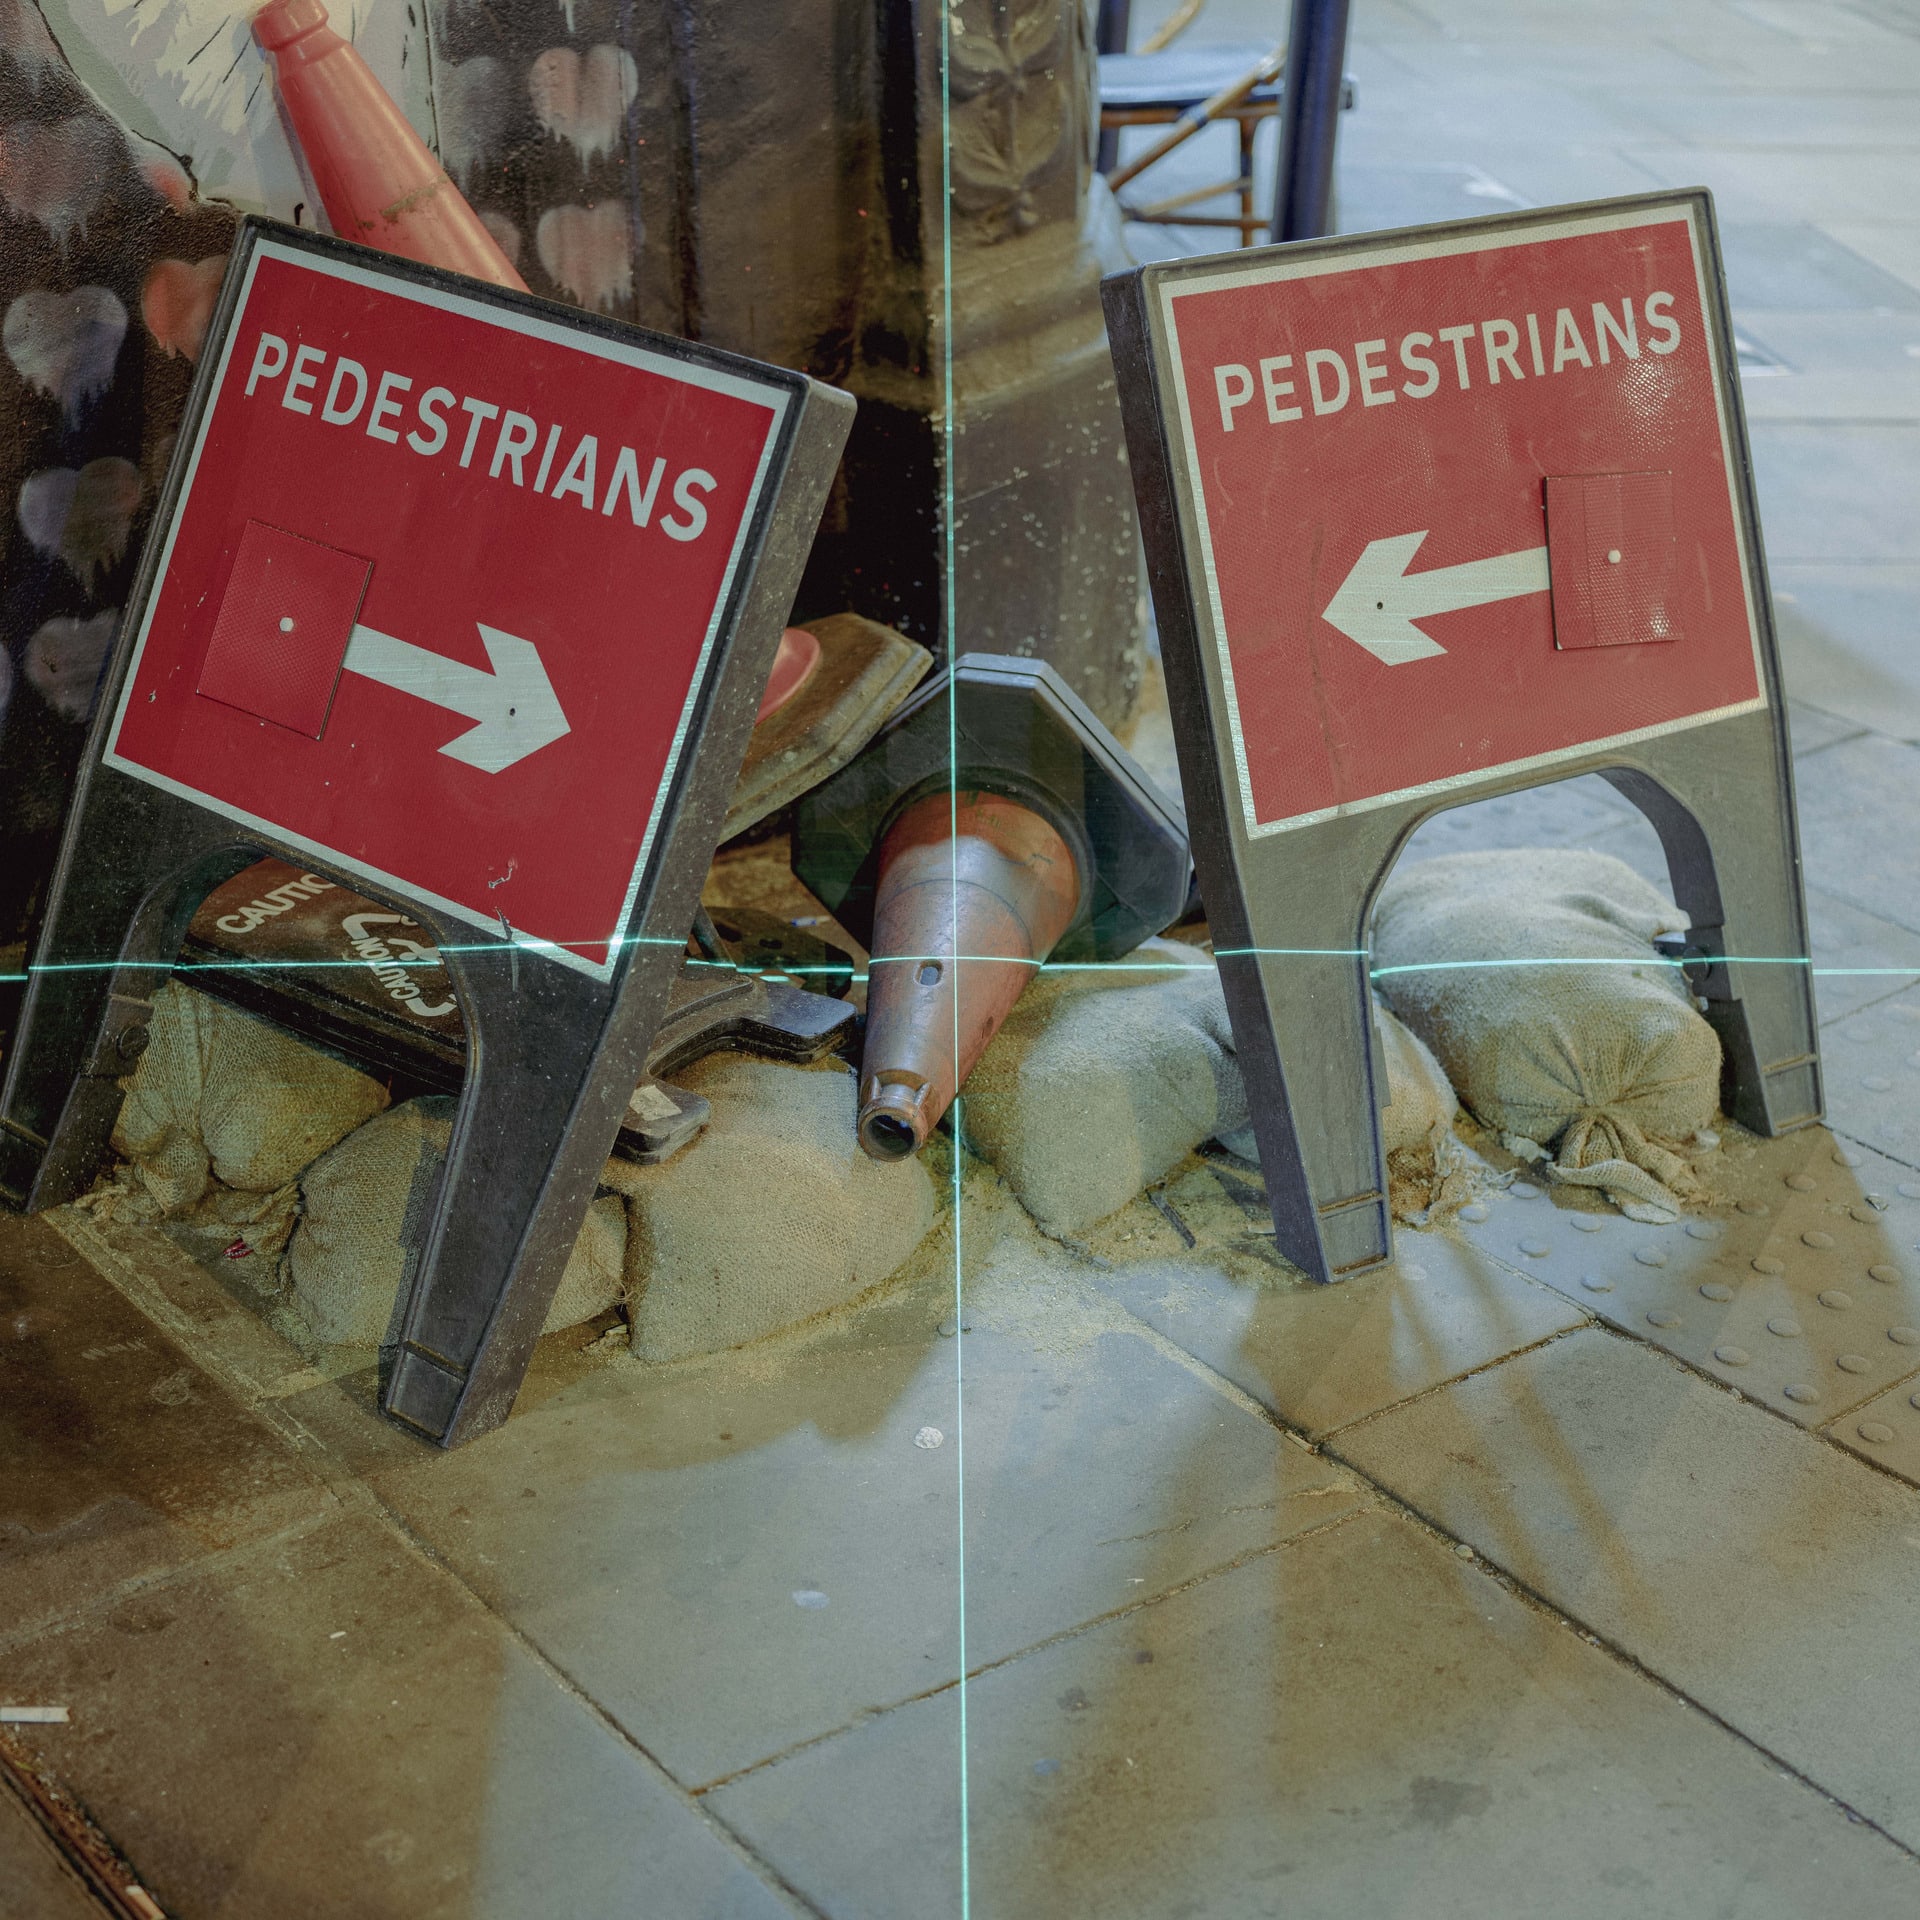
pixel 375 177
pixel 974 875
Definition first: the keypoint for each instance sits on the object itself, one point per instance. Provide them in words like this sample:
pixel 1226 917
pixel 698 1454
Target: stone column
pixel 768 175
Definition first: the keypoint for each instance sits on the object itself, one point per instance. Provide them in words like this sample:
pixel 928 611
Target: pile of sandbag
pixel 221 1096
pixel 364 1209
pixel 774 1217
pixel 1533 977
pixel 1525 980
pixel 1103 1079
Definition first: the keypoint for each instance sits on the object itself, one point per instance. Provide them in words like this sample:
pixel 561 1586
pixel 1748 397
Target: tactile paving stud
pixel 1796 1300
pixel 1875 1096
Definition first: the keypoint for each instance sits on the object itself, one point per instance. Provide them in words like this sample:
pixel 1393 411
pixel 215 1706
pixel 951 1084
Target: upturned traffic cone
pixel 974 891
pixel 376 179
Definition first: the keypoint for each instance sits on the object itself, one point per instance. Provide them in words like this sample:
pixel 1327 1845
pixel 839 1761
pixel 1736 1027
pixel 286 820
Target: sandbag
pixel 1577 1042
pixel 1102 1079
pixel 220 1092
pixel 1421 1102
pixel 364 1212
pixel 777 1216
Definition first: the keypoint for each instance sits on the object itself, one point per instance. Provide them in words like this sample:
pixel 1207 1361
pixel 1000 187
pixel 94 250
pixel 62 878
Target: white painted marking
pixel 515 704
pixel 1379 601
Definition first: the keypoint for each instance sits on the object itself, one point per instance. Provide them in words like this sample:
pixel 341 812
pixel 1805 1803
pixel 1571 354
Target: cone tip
pixel 893 1123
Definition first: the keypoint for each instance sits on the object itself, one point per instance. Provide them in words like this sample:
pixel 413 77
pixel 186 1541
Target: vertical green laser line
pixel 953 864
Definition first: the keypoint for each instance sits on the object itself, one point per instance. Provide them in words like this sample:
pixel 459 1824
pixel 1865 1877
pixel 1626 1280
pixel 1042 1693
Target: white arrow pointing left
pixel 1379 600
pixel 515 704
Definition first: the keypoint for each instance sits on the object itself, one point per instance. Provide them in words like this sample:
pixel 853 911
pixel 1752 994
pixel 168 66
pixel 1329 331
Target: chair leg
pixel 1246 179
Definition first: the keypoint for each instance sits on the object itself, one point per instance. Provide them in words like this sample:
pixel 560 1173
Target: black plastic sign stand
pixel 554 1051
pixel 1291 898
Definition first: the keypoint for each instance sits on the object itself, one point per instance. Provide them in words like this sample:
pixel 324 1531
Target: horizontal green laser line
pixel 982 959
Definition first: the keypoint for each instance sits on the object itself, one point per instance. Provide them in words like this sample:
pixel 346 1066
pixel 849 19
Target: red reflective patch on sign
pixel 1366 435
pixel 1610 553
pixel 283 627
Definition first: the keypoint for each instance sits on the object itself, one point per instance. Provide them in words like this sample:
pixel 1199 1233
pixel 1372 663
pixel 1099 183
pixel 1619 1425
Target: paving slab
pixel 1322 1356
pixel 139 1460
pixel 1803 267
pixel 745 1553
pixel 1765 1574
pixel 1810 728
pixel 1360 1724
pixel 1791 119
pixel 1837 492
pixel 1860 826
pixel 1755 184
pixel 1891 245
pixel 1873 1078
pixel 1801 1290
pixel 1884 1430
pixel 206 1306
pixel 1859 959
pixel 1846 641
pixel 333 1728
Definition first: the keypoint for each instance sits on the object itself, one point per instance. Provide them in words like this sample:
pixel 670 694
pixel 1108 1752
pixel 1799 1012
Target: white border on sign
pixel 1416 248
pixel 774 399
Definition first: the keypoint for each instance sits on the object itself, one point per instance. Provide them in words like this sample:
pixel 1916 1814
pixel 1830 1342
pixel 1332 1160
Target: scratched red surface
pixel 619 613
pixel 1292 506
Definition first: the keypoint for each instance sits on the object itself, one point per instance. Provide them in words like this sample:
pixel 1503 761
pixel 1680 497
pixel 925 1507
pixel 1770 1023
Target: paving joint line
pixel 869 1714
pixel 1696 1372
pixel 1840 1133
pixel 1395 1502
pixel 1459 1379
pixel 1525 1591
pixel 355 1498
pixel 561 1678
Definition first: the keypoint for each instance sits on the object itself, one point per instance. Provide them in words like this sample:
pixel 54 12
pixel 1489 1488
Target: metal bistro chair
pixel 1188 89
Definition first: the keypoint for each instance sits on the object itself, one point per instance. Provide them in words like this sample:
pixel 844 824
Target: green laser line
pixel 859 977
pixel 953 816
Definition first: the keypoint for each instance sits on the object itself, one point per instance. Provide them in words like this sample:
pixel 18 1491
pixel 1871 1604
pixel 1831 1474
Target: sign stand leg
pixel 108 945
pixel 1721 800
pixel 1313 1081
pixel 537 1120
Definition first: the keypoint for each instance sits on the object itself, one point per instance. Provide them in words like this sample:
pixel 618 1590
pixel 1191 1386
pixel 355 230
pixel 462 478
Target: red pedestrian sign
pixel 1440 514
pixel 467 600
pixel 1465 504
pixel 440 588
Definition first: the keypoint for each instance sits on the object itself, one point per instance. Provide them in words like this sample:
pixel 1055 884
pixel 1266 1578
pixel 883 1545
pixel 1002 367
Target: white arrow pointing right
pixel 1379 600
pixel 515 704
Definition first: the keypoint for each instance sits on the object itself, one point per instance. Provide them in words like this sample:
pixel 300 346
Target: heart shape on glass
pixel 84 518
pixel 177 301
pixel 588 251
pixel 63 661
pixel 66 343
pixel 53 171
pixel 583 100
